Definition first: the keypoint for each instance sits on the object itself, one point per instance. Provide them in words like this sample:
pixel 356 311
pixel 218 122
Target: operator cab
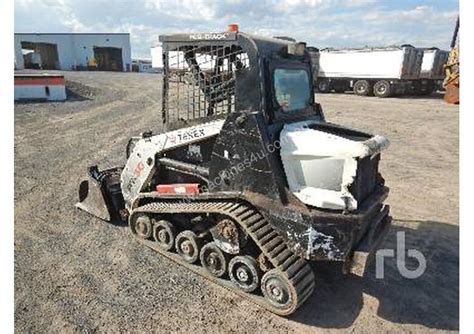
pixel 210 75
pixel 253 84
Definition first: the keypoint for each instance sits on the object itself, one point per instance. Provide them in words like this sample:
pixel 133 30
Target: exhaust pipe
pixel 101 194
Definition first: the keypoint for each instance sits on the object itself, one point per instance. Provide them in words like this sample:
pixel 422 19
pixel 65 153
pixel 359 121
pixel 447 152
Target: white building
pixel 156 56
pixel 71 51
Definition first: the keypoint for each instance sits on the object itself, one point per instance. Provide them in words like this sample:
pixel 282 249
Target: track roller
pixel 143 227
pixel 164 234
pixel 213 259
pixel 278 290
pixel 188 246
pixel 287 280
pixel 245 273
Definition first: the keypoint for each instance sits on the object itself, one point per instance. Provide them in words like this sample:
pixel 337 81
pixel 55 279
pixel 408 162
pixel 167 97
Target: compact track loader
pixel 249 182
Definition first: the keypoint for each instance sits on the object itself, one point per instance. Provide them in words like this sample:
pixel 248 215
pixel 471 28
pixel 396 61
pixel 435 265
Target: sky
pixel 320 23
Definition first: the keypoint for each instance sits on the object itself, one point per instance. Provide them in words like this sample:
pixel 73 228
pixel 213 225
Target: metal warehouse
pixel 73 51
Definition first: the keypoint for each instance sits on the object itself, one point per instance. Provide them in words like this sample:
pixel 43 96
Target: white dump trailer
pixel 432 71
pixel 314 52
pixel 433 64
pixel 157 57
pixel 370 71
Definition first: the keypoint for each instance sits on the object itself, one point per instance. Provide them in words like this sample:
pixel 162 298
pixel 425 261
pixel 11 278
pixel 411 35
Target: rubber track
pixel 297 270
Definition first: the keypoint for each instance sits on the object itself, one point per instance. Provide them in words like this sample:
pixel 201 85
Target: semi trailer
pixel 432 71
pixel 382 72
pixel 247 183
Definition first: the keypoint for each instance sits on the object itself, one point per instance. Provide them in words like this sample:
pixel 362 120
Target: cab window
pixel 292 89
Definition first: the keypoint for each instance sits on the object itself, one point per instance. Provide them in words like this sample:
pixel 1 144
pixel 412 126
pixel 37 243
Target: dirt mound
pixel 77 91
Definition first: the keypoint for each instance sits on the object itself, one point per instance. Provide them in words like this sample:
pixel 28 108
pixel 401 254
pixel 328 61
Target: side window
pixel 292 89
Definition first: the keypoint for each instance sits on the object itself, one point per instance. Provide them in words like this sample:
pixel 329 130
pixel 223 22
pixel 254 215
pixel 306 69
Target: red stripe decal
pixel 39 81
pixel 178 188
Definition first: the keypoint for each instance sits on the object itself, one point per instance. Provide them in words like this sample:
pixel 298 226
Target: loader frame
pixel 222 124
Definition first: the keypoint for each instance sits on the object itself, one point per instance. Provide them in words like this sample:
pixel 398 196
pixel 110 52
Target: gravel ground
pixel 74 272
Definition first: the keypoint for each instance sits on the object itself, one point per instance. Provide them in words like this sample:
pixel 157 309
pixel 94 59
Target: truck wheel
pixel 362 88
pixel 324 86
pixel 382 88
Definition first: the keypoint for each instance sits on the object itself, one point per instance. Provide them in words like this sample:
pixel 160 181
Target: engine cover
pixel 321 165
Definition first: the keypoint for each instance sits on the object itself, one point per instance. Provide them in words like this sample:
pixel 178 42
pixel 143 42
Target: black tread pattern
pixel 298 272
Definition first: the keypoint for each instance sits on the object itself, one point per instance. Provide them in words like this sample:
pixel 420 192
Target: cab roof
pixel 261 44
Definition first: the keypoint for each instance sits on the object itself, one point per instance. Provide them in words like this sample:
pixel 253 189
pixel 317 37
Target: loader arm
pixel 141 164
pixel 105 196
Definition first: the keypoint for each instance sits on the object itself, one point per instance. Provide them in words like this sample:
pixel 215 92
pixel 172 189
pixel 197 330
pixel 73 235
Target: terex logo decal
pixel 191 134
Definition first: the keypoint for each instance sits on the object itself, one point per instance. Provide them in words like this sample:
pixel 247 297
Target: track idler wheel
pixel 278 290
pixel 164 234
pixel 244 273
pixel 188 246
pixel 213 259
pixel 143 227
